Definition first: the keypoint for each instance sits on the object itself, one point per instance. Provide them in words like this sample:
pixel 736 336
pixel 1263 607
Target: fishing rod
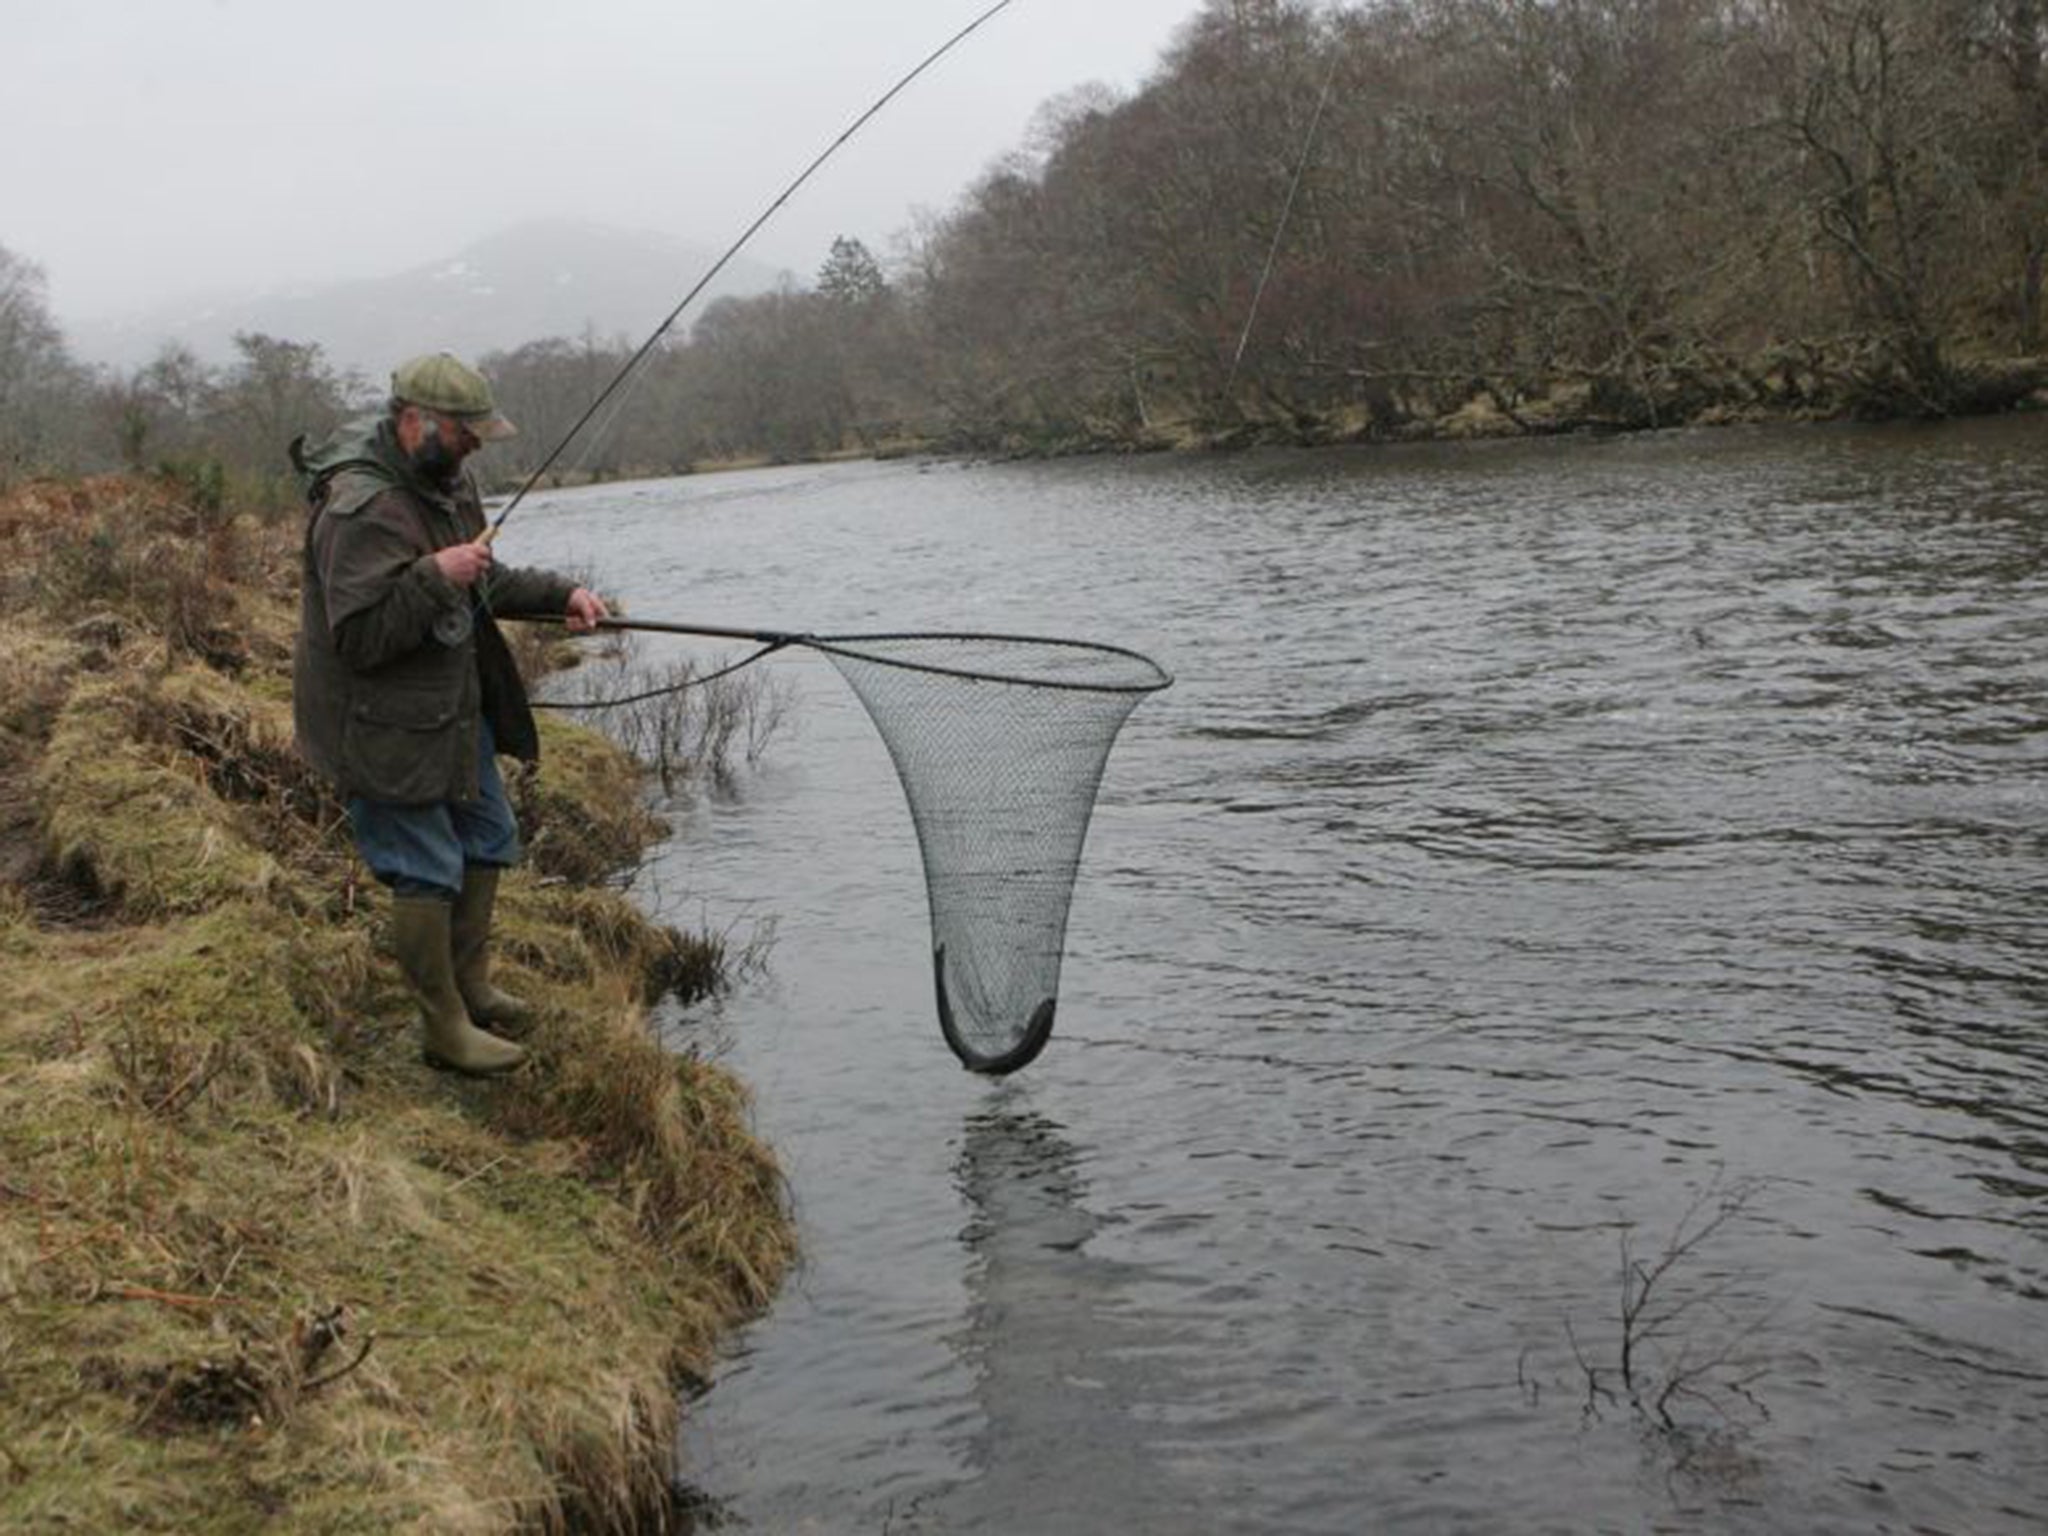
pixel 654 337
pixel 775 637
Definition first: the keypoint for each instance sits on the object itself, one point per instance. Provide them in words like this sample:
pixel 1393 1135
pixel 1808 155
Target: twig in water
pixel 1661 1359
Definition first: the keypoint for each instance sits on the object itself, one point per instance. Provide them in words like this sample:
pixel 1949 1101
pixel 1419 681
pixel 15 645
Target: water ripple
pixel 1540 839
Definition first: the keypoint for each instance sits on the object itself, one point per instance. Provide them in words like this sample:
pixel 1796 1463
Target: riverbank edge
pixel 1776 394
pixel 259 1266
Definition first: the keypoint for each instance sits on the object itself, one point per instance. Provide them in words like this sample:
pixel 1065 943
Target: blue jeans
pixel 420 850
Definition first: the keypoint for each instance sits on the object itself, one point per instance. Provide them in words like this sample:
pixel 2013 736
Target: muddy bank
pixel 258 1264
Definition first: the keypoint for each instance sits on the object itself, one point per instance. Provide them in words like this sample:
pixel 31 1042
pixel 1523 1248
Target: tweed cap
pixel 441 381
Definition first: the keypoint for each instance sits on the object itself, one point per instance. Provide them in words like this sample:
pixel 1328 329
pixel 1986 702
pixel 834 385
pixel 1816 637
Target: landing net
pixel 1000 743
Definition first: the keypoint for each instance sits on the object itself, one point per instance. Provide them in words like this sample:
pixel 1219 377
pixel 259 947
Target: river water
pixel 1566 876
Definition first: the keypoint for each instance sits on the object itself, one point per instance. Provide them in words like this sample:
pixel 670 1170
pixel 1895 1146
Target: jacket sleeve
pixel 514 591
pixel 518 590
pixel 383 590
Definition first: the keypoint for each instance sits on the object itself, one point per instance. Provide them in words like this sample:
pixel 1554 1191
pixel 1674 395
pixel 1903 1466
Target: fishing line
pixel 1294 188
pixel 600 433
pixel 695 680
pixel 718 266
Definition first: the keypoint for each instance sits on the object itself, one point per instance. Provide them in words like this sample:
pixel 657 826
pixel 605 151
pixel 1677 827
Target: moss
pixel 262 1267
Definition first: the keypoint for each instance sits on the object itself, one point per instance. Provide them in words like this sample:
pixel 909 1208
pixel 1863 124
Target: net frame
pixel 1155 677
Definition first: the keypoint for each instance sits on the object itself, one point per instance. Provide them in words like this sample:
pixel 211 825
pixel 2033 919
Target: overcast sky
pixel 151 149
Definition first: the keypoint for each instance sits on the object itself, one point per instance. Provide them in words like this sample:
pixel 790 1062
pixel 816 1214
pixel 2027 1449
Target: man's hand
pixel 464 563
pixel 585 609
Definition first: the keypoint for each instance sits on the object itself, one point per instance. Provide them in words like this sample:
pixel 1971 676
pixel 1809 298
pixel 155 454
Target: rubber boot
pixel 420 936
pixel 472 937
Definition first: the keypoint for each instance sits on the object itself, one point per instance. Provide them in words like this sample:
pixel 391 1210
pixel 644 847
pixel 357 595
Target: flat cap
pixel 440 381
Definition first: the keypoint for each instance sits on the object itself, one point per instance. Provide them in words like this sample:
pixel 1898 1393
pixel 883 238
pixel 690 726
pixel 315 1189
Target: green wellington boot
pixel 420 936
pixel 472 937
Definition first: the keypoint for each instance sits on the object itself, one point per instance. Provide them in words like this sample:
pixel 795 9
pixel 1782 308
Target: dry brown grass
pixel 259 1267
pixel 683 721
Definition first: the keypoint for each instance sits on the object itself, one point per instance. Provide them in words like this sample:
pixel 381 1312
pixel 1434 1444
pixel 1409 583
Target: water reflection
pixel 1536 830
pixel 1066 1374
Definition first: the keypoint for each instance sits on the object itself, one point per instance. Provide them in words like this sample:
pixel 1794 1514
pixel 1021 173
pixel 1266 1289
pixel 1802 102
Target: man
pixel 404 690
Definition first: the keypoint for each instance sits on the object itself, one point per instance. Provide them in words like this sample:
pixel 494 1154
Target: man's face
pixel 436 442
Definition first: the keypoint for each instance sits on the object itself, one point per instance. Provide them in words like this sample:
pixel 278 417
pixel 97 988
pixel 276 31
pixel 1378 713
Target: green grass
pixel 216 1131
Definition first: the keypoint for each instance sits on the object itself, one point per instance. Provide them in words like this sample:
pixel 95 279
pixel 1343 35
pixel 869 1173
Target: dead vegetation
pixel 1685 1354
pixel 683 720
pixel 258 1265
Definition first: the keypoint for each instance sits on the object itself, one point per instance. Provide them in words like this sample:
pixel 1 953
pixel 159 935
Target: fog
pixel 155 151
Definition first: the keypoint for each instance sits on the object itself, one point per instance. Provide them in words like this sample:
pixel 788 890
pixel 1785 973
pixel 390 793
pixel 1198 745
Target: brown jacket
pixel 396 667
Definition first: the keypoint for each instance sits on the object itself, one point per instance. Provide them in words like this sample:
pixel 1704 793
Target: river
pixel 1567 877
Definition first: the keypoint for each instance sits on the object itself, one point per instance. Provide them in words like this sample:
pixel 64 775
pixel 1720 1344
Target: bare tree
pixel 1871 99
pixel 40 386
pixel 275 390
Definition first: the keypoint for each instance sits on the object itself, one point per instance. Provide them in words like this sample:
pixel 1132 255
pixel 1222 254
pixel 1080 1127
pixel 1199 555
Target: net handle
pixel 716 632
pixel 848 645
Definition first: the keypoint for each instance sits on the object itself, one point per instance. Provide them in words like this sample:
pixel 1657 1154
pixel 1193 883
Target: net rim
pixel 848 645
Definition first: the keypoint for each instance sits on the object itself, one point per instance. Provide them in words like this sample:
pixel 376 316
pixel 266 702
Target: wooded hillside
pixel 1388 219
pixel 1632 212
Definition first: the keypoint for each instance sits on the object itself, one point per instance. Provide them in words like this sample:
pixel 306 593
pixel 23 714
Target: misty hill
pixel 546 278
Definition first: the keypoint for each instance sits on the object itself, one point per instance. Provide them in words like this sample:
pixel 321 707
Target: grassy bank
pixel 259 1267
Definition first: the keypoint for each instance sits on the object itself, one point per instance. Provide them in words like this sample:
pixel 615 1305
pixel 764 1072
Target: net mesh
pixel 1000 743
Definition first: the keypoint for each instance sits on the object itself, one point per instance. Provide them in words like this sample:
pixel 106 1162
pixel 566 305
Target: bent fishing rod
pixel 625 372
